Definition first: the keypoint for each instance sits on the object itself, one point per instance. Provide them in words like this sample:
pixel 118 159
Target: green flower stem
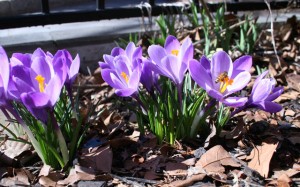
pixel 61 140
pixel 74 139
pixel 34 142
pixel 201 116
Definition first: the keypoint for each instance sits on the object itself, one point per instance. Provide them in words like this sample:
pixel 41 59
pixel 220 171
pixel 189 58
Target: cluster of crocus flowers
pixel 35 82
pixel 38 78
pixel 122 69
pixel 221 78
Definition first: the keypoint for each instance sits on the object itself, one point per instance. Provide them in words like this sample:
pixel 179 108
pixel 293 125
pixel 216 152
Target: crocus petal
pixel 112 79
pixel 170 63
pixel 103 65
pixel 20 59
pixel 60 68
pixel 138 52
pixel 74 68
pixel 125 92
pixel 269 106
pixel 22 86
pixel 235 101
pixel 29 100
pixel 262 90
pixel 35 99
pixel 117 51
pixel 186 52
pixel 243 63
pixel 135 78
pixel 41 67
pixel 130 48
pixel 109 60
pixel 239 82
pixel 276 92
pixel 53 89
pixel 156 53
pixel 38 53
pixel 258 79
pixel 171 44
pixel 205 63
pixel 220 63
pixel 200 75
pixel 4 70
pixel 215 94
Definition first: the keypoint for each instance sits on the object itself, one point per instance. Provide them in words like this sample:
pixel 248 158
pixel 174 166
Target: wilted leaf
pixel 261 157
pixel 215 158
pixel 76 176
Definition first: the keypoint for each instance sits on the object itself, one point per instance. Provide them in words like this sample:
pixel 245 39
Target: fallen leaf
pixel 293 81
pixel 75 176
pixel 284 181
pixel 99 159
pixel 262 156
pixel 176 169
pixel 290 172
pixel 187 182
pixel 215 158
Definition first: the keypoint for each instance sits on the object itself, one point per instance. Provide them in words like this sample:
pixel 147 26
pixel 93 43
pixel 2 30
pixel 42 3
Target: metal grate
pixel 101 13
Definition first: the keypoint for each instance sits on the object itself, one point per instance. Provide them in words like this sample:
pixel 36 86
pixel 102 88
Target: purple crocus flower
pixel 122 69
pixel 263 93
pixel 172 59
pixel 4 77
pixel 37 82
pixel 132 54
pixel 221 78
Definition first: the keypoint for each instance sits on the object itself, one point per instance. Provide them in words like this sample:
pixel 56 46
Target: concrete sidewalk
pixel 91 39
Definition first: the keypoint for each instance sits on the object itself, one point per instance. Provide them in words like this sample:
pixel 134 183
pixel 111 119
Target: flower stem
pixel 201 116
pixel 61 140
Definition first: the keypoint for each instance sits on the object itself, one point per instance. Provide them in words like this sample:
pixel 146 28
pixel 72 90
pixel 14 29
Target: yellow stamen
pixel 41 81
pixel 125 76
pixel 224 83
pixel 175 52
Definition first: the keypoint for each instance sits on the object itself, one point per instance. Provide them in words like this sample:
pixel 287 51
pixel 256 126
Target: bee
pixel 222 77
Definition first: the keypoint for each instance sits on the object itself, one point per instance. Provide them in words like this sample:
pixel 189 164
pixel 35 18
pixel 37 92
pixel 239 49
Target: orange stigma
pixel 41 80
pixel 125 77
pixel 175 52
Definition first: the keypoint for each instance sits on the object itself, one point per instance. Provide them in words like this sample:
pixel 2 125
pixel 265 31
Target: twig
pixel 272 32
pixel 207 11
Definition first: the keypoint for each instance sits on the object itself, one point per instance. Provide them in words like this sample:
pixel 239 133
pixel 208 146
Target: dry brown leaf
pixel 45 170
pixel 187 182
pixel 20 177
pixel 176 169
pixel 47 182
pixel 262 156
pixel 293 81
pixel 215 158
pixel 290 172
pixel 287 96
pixel 99 159
pixel 75 176
pixel 284 181
pixel 14 148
